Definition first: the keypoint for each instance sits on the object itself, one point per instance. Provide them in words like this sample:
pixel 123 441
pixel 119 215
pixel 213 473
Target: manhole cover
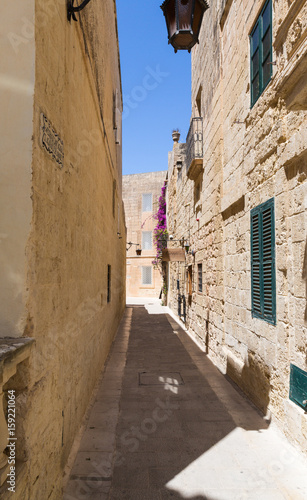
pixel 160 378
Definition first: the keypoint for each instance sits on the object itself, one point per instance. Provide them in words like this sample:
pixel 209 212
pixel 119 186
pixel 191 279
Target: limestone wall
pixel 250 155
pixel 77 220
pixel 137 220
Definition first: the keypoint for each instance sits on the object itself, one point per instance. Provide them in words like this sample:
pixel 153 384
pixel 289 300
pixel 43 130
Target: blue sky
pixel 156 86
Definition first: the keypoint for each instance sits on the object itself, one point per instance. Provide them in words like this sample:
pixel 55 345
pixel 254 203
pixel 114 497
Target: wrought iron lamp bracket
pixel 71 9
pixel 130 245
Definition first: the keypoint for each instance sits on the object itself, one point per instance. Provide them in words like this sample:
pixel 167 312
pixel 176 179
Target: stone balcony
pixel 13 352
pixel 194 148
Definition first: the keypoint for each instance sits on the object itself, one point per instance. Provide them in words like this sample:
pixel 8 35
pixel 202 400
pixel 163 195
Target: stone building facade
pixel 62 230
pixel 141 193
pixel 237 193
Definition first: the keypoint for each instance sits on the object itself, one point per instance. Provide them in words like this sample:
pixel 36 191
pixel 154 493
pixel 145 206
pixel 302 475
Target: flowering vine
pixel 160 231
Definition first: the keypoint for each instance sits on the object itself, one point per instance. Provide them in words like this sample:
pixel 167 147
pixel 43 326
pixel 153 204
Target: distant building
pixel 62 229
pixel 237 191
pixel 141 193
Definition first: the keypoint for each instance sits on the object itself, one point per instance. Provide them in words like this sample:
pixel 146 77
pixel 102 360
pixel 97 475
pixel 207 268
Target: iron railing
pixel 194 141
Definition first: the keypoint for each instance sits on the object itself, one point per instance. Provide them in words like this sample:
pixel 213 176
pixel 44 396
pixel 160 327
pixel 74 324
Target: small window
pixel 190 281
pixel 200 277
pixel 109 284
pixel 263 262
pixel 146 275
pixel 198 102
pixel 197 191
pixel 147 202
pixel 261 52
pixel 114 198
pixel 117 116
pixel 179 171
pixel 146 240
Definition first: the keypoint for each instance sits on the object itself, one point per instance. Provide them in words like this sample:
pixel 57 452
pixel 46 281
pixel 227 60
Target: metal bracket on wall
pixel 71 9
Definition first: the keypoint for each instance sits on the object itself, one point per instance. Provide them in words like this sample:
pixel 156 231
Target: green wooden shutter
pixel 268 261
pixel 256 262
pixel 298 386
pixel 263 280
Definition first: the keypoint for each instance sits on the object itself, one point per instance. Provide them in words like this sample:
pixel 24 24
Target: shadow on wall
pixel 304 276
pixel 253 377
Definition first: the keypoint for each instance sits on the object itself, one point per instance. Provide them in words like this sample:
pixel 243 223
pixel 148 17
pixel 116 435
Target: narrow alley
pixel 166 423
pixel 153 250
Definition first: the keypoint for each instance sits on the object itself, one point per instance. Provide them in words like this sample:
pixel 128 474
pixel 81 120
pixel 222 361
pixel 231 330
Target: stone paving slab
pixel 167 424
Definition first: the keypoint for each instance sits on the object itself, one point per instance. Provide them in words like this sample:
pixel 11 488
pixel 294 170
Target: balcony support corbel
pixel 195 169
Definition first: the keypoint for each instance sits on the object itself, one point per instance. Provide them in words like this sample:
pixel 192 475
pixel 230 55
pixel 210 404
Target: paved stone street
pixel 167 424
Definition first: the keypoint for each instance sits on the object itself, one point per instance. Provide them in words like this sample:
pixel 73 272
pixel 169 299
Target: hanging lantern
pixel 183 20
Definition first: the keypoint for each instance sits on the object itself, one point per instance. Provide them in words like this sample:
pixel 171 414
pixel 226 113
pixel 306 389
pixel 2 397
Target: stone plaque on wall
pixel 50 141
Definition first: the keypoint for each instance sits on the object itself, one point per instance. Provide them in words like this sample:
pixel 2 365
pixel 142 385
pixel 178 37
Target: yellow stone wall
pixel 77 219
pixel 134 186
pixel 250 155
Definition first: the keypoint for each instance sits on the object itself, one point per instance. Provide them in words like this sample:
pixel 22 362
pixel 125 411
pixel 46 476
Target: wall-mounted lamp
pixel 183 21
pixel 71 9
pixel 138 250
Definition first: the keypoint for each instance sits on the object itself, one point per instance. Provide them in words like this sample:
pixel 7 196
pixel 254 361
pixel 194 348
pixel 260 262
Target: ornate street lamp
pixel 138 250
pixel 183 20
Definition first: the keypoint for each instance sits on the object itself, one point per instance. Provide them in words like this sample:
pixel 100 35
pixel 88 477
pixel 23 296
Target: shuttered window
pixel 298 386
pixel 190 281
pixel 147 240
pixel 261 52
pixel 200 277
pixel 146 275
pixel 147 202
pixel 263 262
